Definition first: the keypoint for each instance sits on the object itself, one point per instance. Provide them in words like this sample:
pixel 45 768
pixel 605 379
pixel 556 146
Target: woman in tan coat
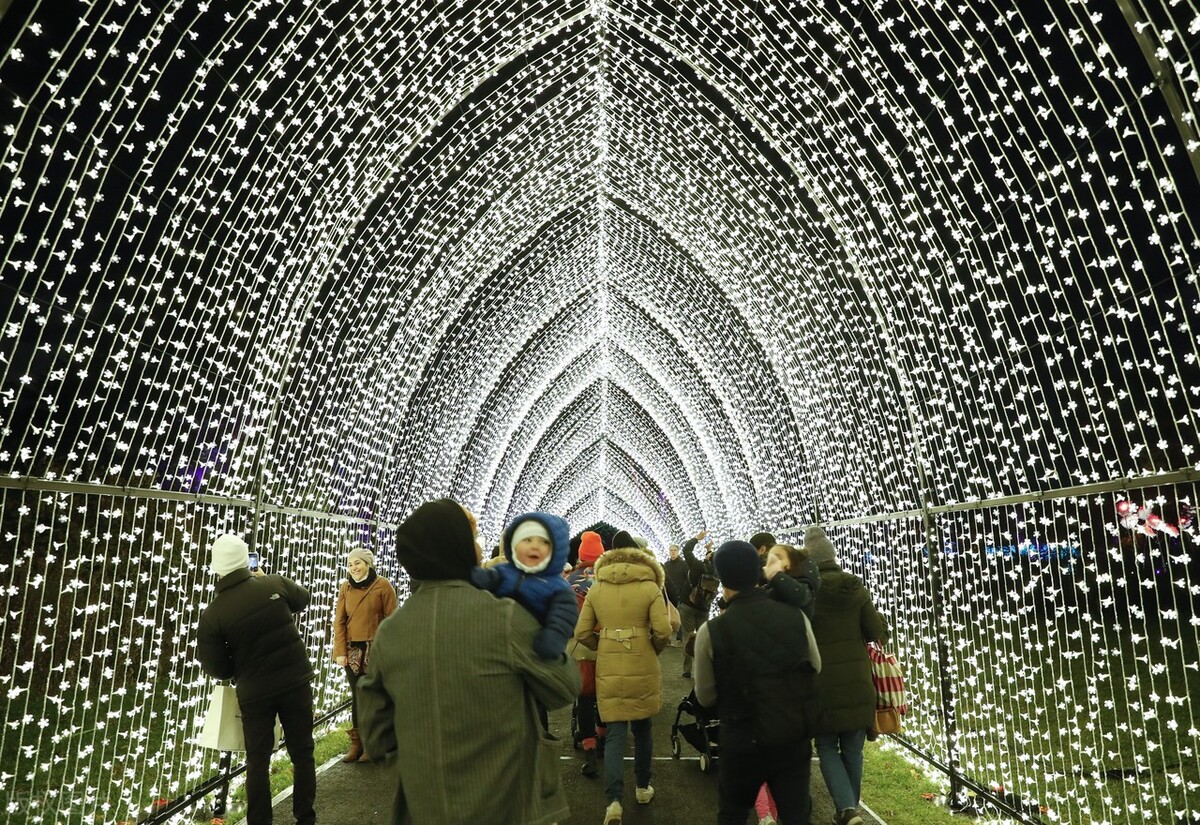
pixel 624 618
pixel 365 600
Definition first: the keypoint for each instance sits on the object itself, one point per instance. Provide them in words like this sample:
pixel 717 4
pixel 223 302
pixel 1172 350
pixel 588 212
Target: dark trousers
pixel 294 708
pixel 614 756
pixel 585 716
pixel 785 768
pixel 352 678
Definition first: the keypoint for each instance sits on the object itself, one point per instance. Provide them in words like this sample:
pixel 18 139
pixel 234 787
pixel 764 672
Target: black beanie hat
pixel 763 539
pixel 623 539
pixel 738 565
pixel 436 542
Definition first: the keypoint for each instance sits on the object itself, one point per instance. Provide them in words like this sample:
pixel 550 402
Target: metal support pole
pixel 937 579
pixel 1167 82
pixel 220 806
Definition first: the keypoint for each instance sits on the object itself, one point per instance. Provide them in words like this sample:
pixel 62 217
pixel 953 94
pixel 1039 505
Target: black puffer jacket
pixel 248 634
pixel 843 622
pixel 697 570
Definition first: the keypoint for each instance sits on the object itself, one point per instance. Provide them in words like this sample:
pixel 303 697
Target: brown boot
pixel 364 757
pixel 356 749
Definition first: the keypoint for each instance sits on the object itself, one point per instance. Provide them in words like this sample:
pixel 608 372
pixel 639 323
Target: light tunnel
pixel 923 272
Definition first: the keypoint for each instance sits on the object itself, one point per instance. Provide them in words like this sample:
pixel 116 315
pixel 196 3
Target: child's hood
pixel 560 540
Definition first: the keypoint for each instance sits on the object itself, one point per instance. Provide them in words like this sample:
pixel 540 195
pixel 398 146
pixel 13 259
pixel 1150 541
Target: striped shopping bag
pixel 890 698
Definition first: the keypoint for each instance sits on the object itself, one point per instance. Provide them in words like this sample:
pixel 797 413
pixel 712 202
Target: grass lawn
pixel 899 792
pixel 330 742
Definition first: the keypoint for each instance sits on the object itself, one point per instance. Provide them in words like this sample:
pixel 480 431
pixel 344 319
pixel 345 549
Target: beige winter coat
pixel 626 603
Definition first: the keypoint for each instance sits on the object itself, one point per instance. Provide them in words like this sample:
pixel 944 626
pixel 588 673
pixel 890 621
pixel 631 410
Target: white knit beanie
pixel 530 529
pixel 229 553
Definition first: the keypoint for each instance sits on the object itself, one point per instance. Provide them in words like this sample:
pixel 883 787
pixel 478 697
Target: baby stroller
pixel 703 734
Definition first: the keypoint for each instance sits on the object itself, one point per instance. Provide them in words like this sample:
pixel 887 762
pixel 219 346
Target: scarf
pixel 367 581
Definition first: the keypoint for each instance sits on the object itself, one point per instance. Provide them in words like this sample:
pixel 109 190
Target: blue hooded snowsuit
pixel 546 594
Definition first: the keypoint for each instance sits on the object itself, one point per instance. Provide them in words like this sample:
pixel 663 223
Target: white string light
pixel 734 265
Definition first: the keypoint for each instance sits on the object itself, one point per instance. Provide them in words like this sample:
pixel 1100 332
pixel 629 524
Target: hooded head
pixel 229 553
pixel 738 565
pixel 539 524
pixel 818 545
pixel 437 542
pixel 590 547
pixel 532 546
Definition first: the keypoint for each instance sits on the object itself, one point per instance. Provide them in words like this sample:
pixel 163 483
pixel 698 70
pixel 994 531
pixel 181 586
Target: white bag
pixel 222 729
pixel 223 722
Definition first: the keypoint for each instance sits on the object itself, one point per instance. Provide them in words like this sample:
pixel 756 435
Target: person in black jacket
pixel 844 620
pixel 755 667
pixel 696 603
pixel 676 571
pixel 248 634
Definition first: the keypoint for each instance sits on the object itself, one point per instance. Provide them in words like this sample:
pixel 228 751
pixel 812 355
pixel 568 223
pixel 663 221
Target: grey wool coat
pixel 449 695
pixel 844 620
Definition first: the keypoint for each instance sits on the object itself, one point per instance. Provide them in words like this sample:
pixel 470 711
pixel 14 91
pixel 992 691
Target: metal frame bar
pixel 1190 474
pixel 80 488
pixel 221 780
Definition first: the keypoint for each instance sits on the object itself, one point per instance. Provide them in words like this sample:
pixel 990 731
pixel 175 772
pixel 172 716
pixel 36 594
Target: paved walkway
pixel 362 794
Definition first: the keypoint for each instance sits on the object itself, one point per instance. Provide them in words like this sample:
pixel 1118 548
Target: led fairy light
pixel 669 217
pixel 644 481
pixel 693 387
pixel 1017 228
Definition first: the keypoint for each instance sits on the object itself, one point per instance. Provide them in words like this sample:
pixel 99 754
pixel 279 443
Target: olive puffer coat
pixel 626 604
pixel 844 620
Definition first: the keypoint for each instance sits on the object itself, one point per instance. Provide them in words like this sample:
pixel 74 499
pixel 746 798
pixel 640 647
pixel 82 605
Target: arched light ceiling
pixel 735 265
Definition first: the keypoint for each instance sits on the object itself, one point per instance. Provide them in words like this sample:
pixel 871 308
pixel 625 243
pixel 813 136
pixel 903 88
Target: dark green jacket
pixel 249 634
pixel 843 622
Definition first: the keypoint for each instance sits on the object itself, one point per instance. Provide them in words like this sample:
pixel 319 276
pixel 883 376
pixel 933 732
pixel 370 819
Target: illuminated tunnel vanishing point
pixel 924 272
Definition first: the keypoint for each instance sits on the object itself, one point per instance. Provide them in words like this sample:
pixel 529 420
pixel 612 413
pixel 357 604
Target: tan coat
pixel 359 613
pixel 626 602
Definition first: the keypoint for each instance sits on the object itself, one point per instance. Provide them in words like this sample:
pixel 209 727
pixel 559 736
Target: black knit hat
pixel 763 539
pixel 436 542
pixel 738 565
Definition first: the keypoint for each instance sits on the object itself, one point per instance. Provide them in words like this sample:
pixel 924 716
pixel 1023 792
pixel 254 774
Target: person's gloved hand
pixel 549 644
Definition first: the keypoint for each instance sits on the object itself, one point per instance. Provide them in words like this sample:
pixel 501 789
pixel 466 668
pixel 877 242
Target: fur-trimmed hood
pixel 626 564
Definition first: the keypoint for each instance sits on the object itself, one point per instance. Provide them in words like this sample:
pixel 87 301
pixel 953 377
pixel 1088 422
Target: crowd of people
pixel 773 635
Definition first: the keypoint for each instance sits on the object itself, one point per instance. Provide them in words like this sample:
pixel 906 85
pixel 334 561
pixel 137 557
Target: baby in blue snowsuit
pixel 536 546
